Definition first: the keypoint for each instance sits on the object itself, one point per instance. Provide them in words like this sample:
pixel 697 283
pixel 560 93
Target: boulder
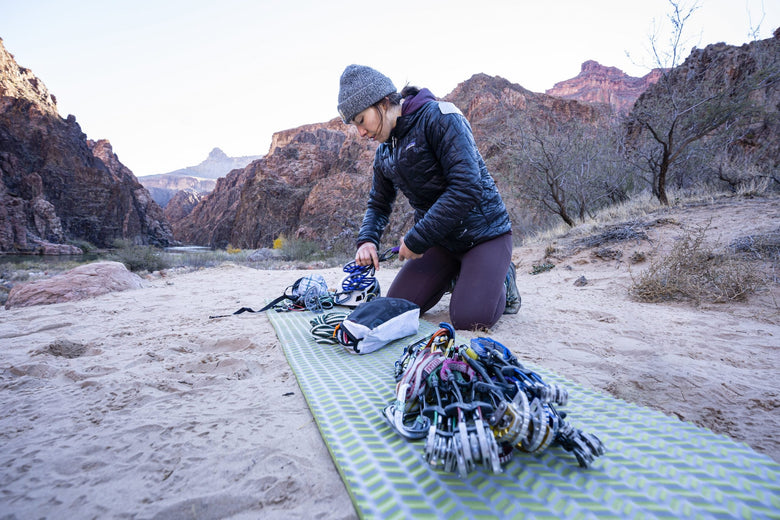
pixel 84 281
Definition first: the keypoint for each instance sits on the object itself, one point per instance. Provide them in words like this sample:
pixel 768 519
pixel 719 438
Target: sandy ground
pixel 136 405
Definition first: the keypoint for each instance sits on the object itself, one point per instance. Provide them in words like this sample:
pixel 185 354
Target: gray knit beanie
pixel 361 87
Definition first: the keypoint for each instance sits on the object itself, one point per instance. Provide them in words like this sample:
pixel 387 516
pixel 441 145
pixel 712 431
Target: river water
pixel 18 261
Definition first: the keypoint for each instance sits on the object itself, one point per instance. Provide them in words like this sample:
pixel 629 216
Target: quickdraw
pixel 476 404
pixel 312 300
pixel 359 284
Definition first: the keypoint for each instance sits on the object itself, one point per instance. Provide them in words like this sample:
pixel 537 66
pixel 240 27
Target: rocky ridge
pixel 163 188
pixel 200 178
pixel 58 186
pixel 216 165
pixel 611 86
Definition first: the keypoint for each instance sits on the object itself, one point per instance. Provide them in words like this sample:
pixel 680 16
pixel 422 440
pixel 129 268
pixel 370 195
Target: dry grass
pixel 695 271
pixel 631 211
pixel 762 248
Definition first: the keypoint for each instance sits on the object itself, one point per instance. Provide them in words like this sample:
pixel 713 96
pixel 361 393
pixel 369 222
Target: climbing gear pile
pixel 307 293
pixel 474 405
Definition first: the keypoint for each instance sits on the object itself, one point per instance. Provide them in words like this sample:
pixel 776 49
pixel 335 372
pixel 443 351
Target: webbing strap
pixel 248 309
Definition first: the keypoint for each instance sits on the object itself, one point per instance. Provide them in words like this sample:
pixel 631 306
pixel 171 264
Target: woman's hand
pixel 367 255
pixel 404 253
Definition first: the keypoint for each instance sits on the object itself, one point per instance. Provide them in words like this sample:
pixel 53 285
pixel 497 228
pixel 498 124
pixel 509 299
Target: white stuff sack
pixel 375 323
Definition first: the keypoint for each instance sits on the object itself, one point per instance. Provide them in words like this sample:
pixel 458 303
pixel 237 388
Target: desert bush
pixel 202 259
pixel 606 253
pixel 139 258
pixel 755 187
pixel 572 168
pixel 85 246
pixel 763 247
pixel 299 249
pixel 694 271
pixel 19 276
pixel 741 176
pixel 541 268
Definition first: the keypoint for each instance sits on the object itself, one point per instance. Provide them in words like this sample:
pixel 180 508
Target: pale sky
pixel 168 80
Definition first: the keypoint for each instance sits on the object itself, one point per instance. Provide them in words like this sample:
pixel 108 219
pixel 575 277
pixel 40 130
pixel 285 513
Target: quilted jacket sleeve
pixel 380 205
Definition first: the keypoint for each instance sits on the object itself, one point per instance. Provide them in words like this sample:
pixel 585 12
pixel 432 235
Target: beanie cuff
pixel 360 88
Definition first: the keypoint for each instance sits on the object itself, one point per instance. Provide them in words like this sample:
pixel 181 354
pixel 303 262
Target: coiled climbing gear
pixel 324 327
pixel 359 285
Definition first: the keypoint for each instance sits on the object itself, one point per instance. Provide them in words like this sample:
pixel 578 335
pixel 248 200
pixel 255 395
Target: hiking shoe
pixel 513 299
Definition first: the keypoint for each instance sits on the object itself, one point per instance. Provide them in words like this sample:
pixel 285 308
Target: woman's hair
pixel 409 91
pixel 395 99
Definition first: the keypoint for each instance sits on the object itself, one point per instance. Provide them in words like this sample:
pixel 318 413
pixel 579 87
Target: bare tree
pixel 573 167
pixel 691 102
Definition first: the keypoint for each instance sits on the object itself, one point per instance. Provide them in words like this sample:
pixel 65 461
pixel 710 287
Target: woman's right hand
pixel 367 255
pixel 404 253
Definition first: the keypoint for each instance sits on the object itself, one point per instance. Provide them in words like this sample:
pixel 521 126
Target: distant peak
pixel 217 154
pixel 590 64
pixel 594 67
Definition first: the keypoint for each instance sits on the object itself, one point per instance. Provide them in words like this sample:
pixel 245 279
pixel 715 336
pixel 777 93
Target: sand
pixel 135 404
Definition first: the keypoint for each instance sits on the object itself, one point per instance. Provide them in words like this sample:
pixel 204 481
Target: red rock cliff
pixel 56 185
pixel 312 185
pixel 609 85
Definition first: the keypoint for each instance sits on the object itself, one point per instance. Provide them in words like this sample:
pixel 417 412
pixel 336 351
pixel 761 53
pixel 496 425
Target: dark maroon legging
pixel 479 296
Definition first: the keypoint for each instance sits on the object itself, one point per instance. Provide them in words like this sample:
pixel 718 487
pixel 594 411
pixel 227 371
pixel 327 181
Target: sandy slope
pixel 137 405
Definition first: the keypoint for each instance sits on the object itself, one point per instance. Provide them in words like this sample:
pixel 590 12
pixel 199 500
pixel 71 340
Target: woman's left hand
pixel 404 253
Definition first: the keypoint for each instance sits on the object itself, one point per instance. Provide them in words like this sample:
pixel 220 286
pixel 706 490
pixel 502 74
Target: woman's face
pixel 373 123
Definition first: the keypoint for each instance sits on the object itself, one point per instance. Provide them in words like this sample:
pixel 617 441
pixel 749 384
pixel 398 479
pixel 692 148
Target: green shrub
pixel 139 258
pixel 537 269
pixel 85 246
pixel 202 259
pixel 299 249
